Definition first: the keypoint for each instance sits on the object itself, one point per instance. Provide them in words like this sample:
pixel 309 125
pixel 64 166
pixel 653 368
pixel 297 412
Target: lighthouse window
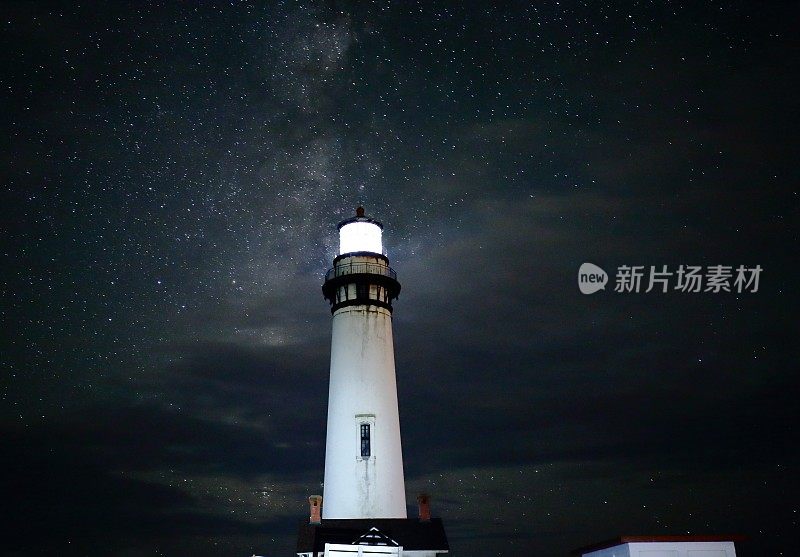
pixel 365 448
pixel 362 291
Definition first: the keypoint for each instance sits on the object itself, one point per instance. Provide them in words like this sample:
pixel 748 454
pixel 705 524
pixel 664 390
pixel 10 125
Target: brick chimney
pixel 315 509
pixel 424 501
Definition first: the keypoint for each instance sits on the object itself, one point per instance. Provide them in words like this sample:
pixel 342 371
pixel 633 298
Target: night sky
pixel 172 180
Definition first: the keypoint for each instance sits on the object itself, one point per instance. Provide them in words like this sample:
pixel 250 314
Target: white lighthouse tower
pixel 363 510
pixel 363 455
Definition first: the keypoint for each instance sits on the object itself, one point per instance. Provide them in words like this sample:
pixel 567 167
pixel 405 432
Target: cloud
pixel 79 479
pixel 491 320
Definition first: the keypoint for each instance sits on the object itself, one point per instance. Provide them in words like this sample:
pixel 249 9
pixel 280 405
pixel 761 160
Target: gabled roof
pixel 410 533
pixel 375 537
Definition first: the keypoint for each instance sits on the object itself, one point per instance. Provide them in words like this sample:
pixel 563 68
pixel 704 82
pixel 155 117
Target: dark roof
pixel 644 539
pixel 411 533
pixel 378 223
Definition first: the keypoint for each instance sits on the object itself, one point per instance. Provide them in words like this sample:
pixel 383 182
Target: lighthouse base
pixel 372 537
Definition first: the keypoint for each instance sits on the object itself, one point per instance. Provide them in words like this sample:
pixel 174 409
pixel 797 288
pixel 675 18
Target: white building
pixel 663 546
pixel 363 508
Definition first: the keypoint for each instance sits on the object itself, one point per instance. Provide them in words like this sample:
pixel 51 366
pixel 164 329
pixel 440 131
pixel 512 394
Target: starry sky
pixel 172 178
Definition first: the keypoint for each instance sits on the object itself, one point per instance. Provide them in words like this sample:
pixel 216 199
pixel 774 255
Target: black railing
pixel 360 268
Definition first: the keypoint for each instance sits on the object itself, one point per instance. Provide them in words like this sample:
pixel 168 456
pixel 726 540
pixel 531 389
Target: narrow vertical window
pixel 365 448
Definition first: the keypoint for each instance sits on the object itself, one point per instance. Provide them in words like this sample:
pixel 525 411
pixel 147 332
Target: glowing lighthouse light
pixel 360 233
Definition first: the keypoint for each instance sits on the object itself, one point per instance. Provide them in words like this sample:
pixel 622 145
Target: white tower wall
pixel 363 390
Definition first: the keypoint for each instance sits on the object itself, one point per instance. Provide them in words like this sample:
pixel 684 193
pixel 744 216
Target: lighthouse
pixel 363 507
pixel 363 455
